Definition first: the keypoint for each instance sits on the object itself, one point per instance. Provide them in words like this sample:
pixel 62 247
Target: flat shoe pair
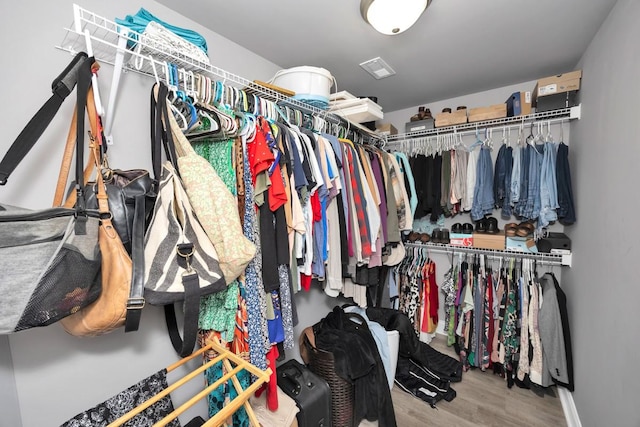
pixel 466 228
pixel 440 236
pixel 487 225
pixel 418 237
pixel 510 229
pixel 525 229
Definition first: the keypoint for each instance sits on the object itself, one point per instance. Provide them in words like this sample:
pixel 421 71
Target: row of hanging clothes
pixel 529 179
pixel 501 316
pixel 317 206
pixel 414 291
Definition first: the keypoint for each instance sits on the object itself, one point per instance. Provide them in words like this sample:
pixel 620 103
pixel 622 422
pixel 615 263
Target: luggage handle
pixel 290 377
pixel 287 383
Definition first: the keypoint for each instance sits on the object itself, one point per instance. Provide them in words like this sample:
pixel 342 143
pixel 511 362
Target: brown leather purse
pixel 109 311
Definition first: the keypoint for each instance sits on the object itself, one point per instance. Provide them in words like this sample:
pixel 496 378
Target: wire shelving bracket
pixel 553 116
pixel 543 258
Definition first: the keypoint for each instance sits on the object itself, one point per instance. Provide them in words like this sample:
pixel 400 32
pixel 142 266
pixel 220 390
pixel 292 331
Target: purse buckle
pixel 135 303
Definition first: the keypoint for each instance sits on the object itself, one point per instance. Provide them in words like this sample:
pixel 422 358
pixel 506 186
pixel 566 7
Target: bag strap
pixel 136 301
pixel 67 156
pixel 61 87
pixel 185 346
pixel 160 138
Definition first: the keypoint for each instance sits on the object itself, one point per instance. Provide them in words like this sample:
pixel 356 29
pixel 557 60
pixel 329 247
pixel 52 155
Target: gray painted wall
pixel 602 286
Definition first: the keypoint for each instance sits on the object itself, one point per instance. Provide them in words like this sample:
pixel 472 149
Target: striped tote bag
pixel 181 263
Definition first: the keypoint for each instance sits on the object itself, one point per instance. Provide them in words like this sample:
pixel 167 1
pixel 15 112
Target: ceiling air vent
pixel 378 68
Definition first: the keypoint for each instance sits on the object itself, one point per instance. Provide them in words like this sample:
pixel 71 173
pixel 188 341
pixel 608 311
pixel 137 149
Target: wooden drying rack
pixel 242 399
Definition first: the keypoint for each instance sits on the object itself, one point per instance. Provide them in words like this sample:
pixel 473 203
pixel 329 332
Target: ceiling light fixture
pixel 392 16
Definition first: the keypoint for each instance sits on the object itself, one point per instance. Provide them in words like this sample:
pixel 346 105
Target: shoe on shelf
pixel 510 229
pixel 413 236
pixel 492 225
pixel 436 236
pixel 423 113
pixel 481 225
pixel 446 110
pixel 456 228
pixel 467 228
pixel 461 107
pixel 525 229
pixel 424 237
pixel 445 236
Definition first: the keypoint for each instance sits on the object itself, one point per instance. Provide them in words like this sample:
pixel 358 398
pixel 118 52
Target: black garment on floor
pixel 414 379
pixel 357 360
pixel 440 364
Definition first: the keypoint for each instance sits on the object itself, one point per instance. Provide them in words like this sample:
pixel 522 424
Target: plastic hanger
pixel 170 78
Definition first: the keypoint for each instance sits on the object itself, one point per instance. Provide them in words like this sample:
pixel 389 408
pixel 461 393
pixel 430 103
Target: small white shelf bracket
pixel 575 112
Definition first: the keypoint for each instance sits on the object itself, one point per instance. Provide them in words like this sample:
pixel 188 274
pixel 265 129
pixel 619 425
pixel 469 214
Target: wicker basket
pixel 322 363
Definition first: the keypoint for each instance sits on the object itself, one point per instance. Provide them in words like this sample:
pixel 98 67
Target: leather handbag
pixel 213 203
pixel 109 311
pixel 50 258
pixel 131 195
pixel 181 262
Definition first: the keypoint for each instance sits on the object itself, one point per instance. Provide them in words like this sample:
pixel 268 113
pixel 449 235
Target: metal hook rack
pixel 543 258
pixel 549 117
pixel 107 38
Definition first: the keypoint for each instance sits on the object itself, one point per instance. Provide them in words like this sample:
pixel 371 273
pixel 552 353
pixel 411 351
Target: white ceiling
pixel 457 47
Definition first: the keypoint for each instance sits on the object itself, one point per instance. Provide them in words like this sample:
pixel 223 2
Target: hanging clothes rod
pixel 543 258
pixel 552 117
pixel 106 39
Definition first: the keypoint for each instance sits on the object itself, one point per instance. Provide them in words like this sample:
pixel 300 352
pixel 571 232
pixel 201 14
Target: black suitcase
pixel 311 393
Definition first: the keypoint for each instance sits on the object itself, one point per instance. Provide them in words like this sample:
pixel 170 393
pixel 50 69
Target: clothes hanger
pixel 170 78
pixel 478 141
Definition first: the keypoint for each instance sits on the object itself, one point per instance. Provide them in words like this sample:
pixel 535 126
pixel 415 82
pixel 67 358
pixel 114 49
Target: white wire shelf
pixel 105 34
pixel 543 258
pixel 431 135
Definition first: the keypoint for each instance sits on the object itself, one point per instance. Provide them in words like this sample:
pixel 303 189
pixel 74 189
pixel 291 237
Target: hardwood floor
pixel 483 399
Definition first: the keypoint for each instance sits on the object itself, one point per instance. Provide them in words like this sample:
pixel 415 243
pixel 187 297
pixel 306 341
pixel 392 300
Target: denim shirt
pixel 515 176
pixel 483 201
pixel 531 208
pixel 548 186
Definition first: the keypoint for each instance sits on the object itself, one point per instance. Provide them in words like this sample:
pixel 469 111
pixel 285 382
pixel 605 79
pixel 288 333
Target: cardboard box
pixel 461 239
pixel 457 117
pixel 489 240
pixel 557 101
pixel 419 125
pixel 497 111
pixel 521 244
pixel 557 84
pixel 519 104
pixel 387 129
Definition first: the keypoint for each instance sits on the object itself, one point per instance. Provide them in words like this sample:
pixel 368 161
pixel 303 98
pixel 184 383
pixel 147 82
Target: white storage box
pixel 357 110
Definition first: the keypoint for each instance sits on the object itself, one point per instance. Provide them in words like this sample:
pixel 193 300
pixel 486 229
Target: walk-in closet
pixel 338 213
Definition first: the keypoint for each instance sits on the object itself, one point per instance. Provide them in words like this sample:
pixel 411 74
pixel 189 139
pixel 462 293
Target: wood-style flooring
pixel 483 399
